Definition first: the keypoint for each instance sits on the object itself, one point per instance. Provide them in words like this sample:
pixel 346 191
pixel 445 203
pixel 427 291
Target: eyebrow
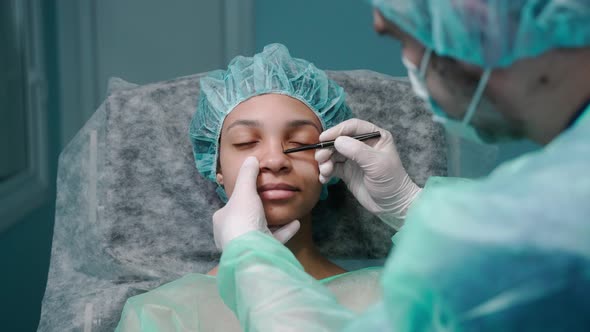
pixel 300 123
pixel 248 123
pixel 257 124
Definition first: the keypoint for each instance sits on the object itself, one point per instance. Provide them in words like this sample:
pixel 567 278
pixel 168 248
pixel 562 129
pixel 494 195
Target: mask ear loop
pixel 483 81
pixel 424 64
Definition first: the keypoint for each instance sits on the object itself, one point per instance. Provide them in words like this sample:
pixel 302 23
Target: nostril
pixel 275 163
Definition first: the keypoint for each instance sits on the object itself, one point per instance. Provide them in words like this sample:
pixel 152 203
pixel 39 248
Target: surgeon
pixel 508 252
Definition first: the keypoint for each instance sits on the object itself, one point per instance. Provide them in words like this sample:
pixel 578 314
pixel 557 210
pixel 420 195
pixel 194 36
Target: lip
pixel 277 186
pixel 277 191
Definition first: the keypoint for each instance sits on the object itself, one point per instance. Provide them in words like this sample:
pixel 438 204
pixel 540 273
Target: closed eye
pixel 245 144
pixel 296 144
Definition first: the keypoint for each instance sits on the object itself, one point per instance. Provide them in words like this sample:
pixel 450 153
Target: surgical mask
pixel 461 128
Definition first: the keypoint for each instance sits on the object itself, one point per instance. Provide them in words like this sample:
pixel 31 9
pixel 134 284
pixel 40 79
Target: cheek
pixel 451 95
pixel 308 170
pixel 230 168
pixel 452 86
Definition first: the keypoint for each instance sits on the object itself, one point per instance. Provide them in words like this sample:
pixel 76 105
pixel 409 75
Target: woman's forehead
pixel 272 110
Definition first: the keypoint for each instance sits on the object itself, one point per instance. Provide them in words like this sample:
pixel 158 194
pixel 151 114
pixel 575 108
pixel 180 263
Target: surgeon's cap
pixel 271 71
pixel 491 33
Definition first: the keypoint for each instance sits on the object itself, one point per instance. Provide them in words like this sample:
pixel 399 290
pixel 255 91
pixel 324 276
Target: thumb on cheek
pixel 246 181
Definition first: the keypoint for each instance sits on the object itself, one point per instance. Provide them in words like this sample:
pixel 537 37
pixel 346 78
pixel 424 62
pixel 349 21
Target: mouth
pixel 277 191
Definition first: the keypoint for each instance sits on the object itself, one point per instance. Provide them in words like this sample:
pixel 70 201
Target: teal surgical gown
pixel 510 251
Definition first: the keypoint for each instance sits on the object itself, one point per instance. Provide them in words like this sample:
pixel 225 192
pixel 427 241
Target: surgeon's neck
pixel 307 253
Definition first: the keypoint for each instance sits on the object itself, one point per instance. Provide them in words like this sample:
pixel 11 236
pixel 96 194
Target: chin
pixel 278 216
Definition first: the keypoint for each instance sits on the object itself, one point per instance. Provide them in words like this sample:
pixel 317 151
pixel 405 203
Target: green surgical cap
pixel 492 33
pixel 271 71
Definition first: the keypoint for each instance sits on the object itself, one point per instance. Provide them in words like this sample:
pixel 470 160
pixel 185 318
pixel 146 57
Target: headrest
pixel 132 212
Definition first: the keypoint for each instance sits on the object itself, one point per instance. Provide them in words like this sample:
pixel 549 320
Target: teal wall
pixel 333 34
pixel 25 247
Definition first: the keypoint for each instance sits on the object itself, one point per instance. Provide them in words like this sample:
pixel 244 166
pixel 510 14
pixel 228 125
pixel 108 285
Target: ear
pixel 219 179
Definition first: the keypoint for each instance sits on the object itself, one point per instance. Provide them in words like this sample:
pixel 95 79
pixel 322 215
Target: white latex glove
pixel 371 169
pixel 244 211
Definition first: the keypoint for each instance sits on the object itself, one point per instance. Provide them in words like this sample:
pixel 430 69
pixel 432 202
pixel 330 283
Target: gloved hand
pixel 244 211
pixel 372 170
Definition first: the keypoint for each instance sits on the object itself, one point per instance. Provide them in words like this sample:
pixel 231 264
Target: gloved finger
pixel 355 150
pixel 349 127
pixel 217 227
pixel 322 155
pixel 286 232
pixel 326 168
pixel 324 179
pixel 337 157
pixel 338 171
pixel 246 181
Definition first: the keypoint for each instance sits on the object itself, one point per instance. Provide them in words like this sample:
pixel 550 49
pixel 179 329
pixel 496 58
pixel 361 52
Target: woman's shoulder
pixel 192 300
pixel 357 289
pixel 368 273
pixel 183 289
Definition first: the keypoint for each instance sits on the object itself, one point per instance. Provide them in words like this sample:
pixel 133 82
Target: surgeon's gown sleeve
pixel 507 252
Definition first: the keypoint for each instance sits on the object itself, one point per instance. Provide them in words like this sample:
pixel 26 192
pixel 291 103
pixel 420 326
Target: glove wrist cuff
pixel 396 215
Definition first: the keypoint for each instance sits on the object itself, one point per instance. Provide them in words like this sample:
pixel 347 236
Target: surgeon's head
pixel 259 107
pixel 518 53
pixel 450 86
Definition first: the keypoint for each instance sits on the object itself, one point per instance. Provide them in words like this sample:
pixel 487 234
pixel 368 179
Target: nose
pixel 272 159
pixel 378 22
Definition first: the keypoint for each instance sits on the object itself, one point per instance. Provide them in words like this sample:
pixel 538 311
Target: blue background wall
pixel 333 34
pixel 25 247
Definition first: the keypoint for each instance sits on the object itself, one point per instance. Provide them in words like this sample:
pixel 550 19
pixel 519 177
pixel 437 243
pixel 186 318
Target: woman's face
pixel 264 126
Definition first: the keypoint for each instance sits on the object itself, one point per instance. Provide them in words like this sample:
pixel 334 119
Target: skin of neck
pixel 304 249
pixel 306 252
pixel 543 93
